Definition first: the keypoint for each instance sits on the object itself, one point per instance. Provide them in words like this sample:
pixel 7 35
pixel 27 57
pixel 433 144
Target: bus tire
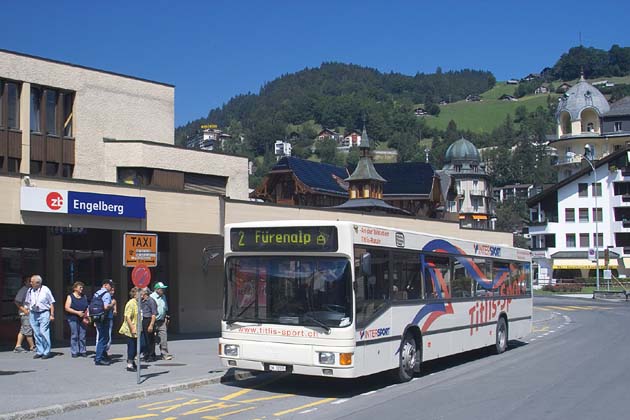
pixel 407 359
pixel 501 336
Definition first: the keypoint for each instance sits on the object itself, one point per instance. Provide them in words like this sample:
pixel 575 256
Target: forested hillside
pixel 342 96
pixel 339 95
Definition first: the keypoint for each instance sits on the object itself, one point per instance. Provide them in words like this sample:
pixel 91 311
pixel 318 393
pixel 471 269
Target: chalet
pixel 530 77
pixel 473 98
pixel 351 139
pixel 412 187
pixel 506 97
pixel 443 102
pixel 544 88
pixel 563 88
pixel 327 133
pixel 603 83
pixel 512 82
pixel 420 112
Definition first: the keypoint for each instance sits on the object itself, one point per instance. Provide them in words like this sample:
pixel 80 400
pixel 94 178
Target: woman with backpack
pixel 75 307
pixel 129 329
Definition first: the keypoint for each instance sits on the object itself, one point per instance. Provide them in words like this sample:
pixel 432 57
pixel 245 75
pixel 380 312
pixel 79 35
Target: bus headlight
pixel 326 358
pixel 230 350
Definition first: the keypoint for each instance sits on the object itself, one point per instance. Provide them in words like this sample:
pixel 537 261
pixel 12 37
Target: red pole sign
pixel 141 276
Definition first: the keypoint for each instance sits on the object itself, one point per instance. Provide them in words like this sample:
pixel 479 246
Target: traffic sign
pixel 141 276
pixel 140 248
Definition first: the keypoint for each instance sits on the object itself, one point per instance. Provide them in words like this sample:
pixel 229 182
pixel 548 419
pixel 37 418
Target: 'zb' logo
pixel 54 200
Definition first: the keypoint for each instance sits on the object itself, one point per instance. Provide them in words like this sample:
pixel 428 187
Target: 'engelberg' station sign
pixel 75 202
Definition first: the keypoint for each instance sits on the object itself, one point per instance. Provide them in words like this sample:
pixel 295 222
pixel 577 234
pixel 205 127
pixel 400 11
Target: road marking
pixel 237 394
pixel 308 411
pixel 160 402
pixel 369 393
pixel 274 397
pixel 140 416
pixel 167 408
pixel 560 308
pixel 211 407
pixel 292 410
pixel 533 339
pixel 228 414
pixel 340 401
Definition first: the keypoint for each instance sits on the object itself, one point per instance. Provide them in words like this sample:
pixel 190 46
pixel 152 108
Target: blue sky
pixel 213 50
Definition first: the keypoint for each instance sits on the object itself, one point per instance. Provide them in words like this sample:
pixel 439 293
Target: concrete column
pixel 25 126
pixel 119 275
pixel 174 282
pixel 53 278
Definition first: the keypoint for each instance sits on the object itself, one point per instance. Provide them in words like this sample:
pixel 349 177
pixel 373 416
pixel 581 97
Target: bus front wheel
pixel 408 359
pixel 501 336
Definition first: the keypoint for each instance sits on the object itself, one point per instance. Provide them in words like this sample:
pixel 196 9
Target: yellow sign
pixel 140 248
pixel 206 126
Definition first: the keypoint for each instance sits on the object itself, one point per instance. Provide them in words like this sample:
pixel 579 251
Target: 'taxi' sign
pixel 140 248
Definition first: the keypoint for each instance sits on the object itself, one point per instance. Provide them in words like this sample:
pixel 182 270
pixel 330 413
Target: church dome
pixel 580 97
pixel 462 150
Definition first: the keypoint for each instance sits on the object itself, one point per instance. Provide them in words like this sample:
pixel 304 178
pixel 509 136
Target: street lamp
pixel 589 152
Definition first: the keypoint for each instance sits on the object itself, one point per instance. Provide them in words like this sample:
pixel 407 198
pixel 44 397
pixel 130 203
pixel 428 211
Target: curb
pixel 131 395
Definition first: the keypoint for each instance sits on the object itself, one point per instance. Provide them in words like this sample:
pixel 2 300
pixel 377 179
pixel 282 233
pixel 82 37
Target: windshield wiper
pixel 233 320
pixel 317 321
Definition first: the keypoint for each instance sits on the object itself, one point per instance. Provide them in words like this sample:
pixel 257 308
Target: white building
pixel 565 221
pixel 282 148
pixel 468 193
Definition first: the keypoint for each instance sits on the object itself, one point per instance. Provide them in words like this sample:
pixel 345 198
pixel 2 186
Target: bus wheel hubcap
pixel 409 355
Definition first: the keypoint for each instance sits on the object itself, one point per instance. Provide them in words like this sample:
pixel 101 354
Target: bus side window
pixel 372 290
pixel 437 277
pixel 406 276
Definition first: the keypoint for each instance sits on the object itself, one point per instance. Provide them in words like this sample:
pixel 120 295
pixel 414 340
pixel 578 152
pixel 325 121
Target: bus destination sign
pixel 296 238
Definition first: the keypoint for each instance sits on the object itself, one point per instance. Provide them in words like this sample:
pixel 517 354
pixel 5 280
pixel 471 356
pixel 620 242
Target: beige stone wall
pixel 166 211
pixel 138 154
pixel 106 105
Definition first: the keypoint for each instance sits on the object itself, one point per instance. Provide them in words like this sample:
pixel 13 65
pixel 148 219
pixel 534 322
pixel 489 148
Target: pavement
pixel 32 388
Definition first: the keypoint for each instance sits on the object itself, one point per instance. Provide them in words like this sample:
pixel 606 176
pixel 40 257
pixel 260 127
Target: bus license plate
pixel 278 368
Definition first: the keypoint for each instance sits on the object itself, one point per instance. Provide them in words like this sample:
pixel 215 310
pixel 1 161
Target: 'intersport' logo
pixel 491 251
pixel 374 333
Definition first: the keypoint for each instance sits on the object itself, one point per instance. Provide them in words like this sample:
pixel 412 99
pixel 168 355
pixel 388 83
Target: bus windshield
pixel 314 291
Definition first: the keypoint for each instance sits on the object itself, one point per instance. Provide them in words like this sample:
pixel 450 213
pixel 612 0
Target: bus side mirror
pixel 366 264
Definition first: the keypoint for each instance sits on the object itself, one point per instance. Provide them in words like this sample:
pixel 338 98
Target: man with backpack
pixel 99 309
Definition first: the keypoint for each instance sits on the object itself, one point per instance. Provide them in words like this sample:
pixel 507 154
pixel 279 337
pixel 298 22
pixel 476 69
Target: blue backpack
pixel 96 309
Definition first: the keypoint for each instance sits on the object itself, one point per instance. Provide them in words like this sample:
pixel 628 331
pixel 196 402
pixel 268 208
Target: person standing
pixel 102 324
pixel 41 305
pixel 76 305
pixel 149 312
pixel 26 331
pixel 129 329
pixel 161 320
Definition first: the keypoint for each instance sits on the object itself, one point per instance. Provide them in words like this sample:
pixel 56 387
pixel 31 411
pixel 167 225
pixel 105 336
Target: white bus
pixel 345 299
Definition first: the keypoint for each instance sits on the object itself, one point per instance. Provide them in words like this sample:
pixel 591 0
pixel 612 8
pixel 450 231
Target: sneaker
pixel 102 363
pixel 83 354
pixel 37 356
pixel 19 350
pixel 47 356
pixel 131 368
pixel 167 357
pixel 74 356
pixel 105 355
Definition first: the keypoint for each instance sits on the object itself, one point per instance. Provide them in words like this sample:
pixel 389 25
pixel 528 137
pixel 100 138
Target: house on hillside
pixel 351 139
pixel 327 133
pixel 563 88
pixel 506 97
pixel 512 82
pixel 473 98
pixel 420 112
pixel 530 77
pixel 542 89
pixel 443 102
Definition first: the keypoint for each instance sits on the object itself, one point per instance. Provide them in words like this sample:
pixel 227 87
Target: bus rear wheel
pixel 501 336
pixel 408 359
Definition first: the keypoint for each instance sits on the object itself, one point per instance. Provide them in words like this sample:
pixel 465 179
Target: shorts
pixel 25 325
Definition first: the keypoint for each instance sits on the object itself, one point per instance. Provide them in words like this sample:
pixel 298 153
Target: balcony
pixel 544 222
